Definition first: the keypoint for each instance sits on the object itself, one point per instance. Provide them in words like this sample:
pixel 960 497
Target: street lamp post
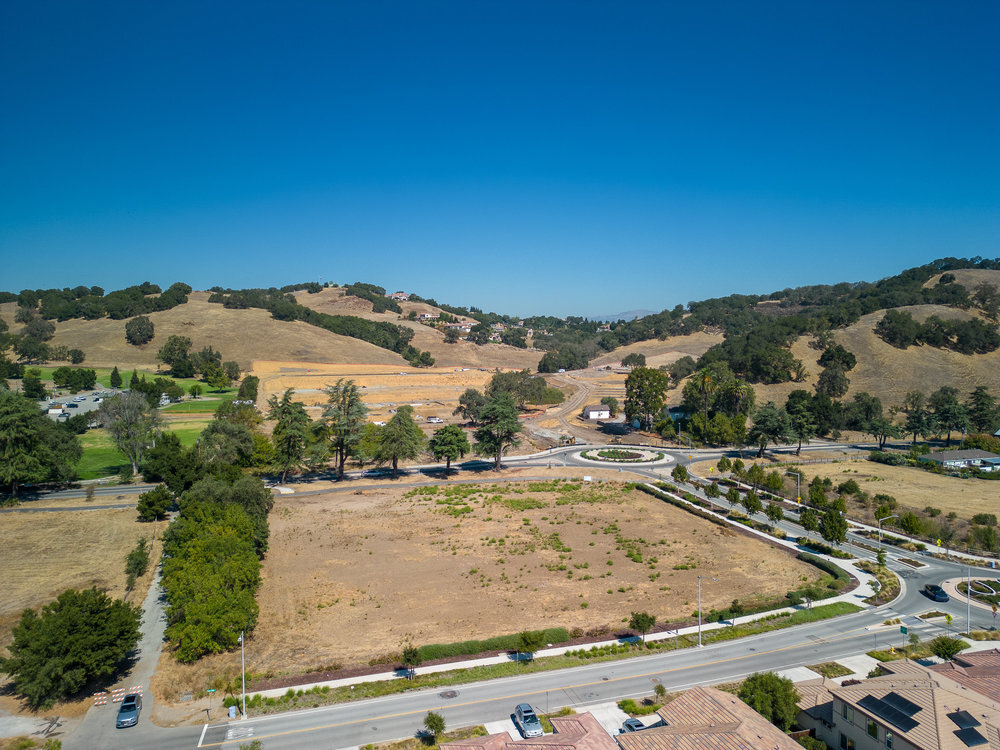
pixel 699 606
pixel 894 515
pixel 243 669
pixel 968 598
pixel 798 491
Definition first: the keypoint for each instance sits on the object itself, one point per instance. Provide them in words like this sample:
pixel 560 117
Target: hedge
pixel 433 651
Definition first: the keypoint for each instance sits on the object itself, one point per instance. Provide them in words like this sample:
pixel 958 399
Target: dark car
pixel 527 720
pixel 128 711
pixel 935 592
pixel 632 725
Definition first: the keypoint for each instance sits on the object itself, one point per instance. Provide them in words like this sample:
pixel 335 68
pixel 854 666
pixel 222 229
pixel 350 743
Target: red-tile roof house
pixel 578 732
pixel 708 719
pixel 912 707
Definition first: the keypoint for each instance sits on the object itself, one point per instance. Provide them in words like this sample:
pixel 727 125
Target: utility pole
pixel 699 606
pixel 243 669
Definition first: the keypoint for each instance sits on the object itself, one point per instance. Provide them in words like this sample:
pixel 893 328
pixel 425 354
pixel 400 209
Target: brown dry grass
pixel 352 576
pixel 665 352
pixel 435 390
pixel 889 373
pixel 241 335
pixel 43 554
pixel 914 488
pixel 462 353
pixel 970 278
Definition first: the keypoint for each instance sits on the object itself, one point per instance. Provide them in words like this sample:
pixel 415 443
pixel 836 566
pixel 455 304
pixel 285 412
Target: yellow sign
pixel 938 542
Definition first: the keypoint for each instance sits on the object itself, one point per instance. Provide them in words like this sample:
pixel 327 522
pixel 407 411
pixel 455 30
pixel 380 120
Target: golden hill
pixel 241 335
pixel 425 338
pixel 888 372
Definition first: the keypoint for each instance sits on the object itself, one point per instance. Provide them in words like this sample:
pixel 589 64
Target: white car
pixel 435 420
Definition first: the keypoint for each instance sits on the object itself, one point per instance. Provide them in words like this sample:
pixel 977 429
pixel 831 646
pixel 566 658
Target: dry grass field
pixel 43 554
pixel 352 576
pixel 433 391
pixel 914 488
pixel 666 352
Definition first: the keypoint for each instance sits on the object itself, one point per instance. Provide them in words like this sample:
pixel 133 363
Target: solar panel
pixel 901 704
pixel 970 737
pixel 884 711
pixel 963 719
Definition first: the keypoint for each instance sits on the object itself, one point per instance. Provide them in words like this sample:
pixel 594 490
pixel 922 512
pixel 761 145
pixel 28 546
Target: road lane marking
pixel 515 696
pixel 202 738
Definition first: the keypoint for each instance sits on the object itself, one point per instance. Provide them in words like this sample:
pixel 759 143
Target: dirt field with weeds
pixel 352 577
pixel 43 554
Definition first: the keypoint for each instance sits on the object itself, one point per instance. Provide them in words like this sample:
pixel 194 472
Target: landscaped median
pixel 489 668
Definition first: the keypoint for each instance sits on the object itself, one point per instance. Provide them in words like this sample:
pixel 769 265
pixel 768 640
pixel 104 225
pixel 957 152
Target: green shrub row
pixel 433 651
pixel 826 566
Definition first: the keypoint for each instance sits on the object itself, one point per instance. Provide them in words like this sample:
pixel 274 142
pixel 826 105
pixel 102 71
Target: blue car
pixel 128 711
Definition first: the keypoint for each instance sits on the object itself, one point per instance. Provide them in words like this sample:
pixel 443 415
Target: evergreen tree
pixel 116 378
pixel 499 427
pixel 291 431
pixel 773 697
pixel 450 443
pixel 345 417
pixel 770 425
pixel 399 439
pixel 81 636
pixel 949 412
pixel 984 415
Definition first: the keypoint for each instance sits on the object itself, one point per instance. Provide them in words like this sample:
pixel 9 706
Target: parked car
pixel 527 720
pixel 128 711
pixel 632 725
pixel 435 420
pixel 935 592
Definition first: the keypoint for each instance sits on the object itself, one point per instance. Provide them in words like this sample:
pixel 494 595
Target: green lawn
pixel 101 458
pixel 204 405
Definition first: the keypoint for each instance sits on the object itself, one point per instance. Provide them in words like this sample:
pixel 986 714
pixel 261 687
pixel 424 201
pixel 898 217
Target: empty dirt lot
pixel 433 391
pixel 352 576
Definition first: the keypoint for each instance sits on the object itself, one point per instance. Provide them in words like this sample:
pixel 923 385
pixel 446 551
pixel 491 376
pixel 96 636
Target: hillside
pixel 462 353
pixel 887 372
pixel 970 278
pixel 241 335
pixel 660 353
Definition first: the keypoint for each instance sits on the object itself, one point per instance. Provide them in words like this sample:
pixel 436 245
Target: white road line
pixel 202 738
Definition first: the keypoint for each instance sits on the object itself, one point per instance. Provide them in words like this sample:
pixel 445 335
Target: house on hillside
pixel 597 411
pixel 428 316
pixel 951 706
pixel 399 296
pixel 704 717
pixel 967 459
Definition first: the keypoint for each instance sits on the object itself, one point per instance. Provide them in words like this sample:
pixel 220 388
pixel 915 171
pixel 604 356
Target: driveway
pixel 98 727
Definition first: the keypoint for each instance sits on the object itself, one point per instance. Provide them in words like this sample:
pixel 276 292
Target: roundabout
pixel 630 455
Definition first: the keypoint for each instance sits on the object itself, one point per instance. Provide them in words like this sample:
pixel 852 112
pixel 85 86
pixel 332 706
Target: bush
pixel 512 642
pixel 984 519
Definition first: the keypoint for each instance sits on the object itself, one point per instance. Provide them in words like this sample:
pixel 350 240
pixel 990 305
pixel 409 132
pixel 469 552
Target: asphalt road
pixel 398 716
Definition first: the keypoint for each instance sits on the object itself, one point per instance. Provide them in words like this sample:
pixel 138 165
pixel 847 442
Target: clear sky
pixel 561 157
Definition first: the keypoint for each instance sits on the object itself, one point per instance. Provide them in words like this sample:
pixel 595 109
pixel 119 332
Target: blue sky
pixel 528 157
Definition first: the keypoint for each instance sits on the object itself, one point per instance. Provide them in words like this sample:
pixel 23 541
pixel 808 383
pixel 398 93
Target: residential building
pixel 704 717
pixel 913 707
pixel 962 459
pixel 577 732
pixel 399 296
pixel 597 411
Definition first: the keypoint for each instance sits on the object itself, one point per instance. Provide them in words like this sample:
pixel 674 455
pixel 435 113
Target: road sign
pixel 938 542
pixel 902 629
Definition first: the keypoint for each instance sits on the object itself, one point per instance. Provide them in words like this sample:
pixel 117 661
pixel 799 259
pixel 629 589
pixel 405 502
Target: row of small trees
pixel 344 432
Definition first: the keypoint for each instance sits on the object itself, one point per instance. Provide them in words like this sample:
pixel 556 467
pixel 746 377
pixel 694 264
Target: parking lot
pixel 73 404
